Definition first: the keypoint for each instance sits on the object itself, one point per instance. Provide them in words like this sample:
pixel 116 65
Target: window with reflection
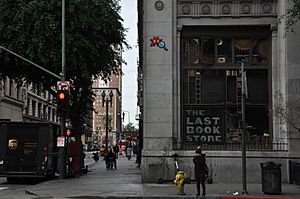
pixel 242 50
pixel 260 52
pixel 224 51
pixel 191 54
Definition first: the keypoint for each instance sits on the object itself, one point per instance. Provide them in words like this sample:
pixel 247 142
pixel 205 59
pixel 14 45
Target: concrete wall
pixel 158 86
pixel 157 77
pixel 225 166
pixel 11 100
pixel 293 62
pixel 11 109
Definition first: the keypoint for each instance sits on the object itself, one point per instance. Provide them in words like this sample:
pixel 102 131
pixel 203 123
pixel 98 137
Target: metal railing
pixel 253 146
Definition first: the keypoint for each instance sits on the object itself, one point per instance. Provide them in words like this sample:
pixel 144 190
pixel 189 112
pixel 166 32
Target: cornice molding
pixel 226 8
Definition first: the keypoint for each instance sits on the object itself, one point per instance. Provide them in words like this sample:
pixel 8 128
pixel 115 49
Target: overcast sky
pixel 129 103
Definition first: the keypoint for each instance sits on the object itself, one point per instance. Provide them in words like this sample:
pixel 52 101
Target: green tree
pixel 94 37
pixel 293 14
pixel 129 127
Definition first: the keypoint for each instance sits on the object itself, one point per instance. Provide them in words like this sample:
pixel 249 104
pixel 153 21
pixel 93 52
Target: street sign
pixel 63 85
pixel 60 141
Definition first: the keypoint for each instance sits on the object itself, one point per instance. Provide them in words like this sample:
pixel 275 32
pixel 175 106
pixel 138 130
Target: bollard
pixel 180 181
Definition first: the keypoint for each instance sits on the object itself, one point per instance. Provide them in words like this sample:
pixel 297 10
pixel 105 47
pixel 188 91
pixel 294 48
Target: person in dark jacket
pixel 111 158
pixel 200 170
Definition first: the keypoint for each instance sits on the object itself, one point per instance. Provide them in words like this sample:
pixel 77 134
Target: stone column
pixel 176 80
pixel 6 86
pixel 281 69
pixel 50 110
pixel 36 109
pixel 275 78
pixel 1 89
pixel 13 89
pixel 30 107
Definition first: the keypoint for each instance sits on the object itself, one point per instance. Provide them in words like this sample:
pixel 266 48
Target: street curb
pixel 255 197
pixel 144 197
pixel 28 191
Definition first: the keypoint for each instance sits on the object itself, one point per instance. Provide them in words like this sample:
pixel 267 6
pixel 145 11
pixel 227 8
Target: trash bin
pixel 271 177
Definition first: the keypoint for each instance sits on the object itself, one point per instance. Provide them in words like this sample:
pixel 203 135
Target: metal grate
pixel 258 146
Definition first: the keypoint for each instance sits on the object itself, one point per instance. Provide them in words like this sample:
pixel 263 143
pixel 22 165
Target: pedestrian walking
pixel 116 149
pixel 111 160
pixel 129 152
pixel 201 171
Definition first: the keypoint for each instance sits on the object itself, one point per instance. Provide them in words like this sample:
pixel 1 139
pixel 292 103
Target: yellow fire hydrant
pixel 180 181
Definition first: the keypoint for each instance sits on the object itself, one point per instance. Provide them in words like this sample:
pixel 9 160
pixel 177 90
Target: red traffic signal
pixel 68 133
pixel 62 95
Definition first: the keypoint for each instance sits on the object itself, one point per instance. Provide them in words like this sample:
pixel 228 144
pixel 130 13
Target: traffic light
pixel 68 133
pixel 62 97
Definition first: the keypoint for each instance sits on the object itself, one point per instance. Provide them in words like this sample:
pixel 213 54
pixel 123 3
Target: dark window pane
pixel 190 86
pixel 213 86
pixel 258 119
pixel 231 89
pixel 224 51
pixel 260 52
pixel 208 51
pixel 185 86
pixel 242 50
pixel 257 86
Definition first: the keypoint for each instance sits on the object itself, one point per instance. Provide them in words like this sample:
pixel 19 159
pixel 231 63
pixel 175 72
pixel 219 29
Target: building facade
pixel 27 102
pixel 190 90
pixel 113 85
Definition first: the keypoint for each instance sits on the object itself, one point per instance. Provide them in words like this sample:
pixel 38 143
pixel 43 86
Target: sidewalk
pixel 125 182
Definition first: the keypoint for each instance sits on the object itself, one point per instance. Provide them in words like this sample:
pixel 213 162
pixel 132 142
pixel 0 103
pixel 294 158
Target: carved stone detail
pixel 186 9
pixel 236 8
pixel 206 9
pixel 267 8
pixel 226 9
pixel 246 8
pixel 159 5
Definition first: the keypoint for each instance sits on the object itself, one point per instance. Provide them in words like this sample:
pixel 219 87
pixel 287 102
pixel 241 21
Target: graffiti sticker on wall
pixel 158 42
pixel 203 126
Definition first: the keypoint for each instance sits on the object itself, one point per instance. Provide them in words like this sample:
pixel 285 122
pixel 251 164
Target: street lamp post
pixel 121 118
pixel 106 101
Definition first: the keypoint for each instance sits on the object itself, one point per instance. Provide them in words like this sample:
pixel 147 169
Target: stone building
pixel 27 102
pixel 113 85
pixel 191 53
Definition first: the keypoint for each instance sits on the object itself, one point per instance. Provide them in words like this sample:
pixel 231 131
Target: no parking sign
pixel 63 85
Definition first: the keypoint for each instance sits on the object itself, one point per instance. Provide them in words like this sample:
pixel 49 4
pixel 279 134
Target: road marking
pixel 2 188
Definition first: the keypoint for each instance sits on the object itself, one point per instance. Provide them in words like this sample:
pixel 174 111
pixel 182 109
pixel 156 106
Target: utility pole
pixel 244 173
pixel 62 150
